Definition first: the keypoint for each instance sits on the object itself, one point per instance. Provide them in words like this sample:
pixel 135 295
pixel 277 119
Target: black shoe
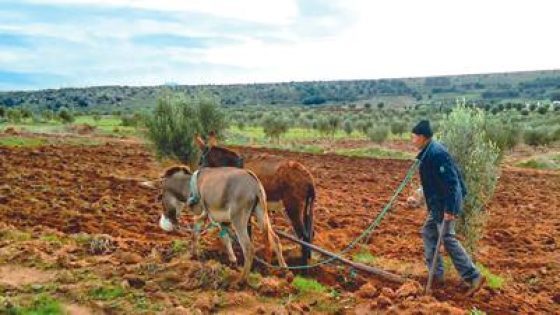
pixel 475 285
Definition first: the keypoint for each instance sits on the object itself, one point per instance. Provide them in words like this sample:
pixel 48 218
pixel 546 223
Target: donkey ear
pixel 199 142
pixel 212 139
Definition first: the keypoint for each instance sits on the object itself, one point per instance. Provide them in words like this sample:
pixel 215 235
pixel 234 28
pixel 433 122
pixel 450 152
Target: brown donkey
pixel 283 180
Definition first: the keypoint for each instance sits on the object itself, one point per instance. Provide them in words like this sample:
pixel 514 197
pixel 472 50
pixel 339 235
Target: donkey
pixel 225 195
pixel 285 181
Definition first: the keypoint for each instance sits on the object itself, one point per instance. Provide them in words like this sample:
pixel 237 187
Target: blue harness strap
pixel 194 196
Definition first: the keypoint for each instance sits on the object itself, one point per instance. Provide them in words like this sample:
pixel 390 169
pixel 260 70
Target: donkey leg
pixel 294 210
pixel 246 247
pixel 226 240
pixel 198 222
pixel 308 221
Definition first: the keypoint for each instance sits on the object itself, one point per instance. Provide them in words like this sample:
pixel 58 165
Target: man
pixel 443 190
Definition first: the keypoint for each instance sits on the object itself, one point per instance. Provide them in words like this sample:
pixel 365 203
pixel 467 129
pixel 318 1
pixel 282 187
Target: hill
pixel 529 86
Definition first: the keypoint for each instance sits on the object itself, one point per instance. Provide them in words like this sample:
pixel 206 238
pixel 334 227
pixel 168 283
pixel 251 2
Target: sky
pixel 63 43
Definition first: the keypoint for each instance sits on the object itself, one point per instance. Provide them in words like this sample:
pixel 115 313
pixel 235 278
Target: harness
pixel 194 198
pixel 194 195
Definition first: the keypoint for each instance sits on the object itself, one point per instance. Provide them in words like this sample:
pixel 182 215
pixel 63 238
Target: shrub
pixel 555 135
pixel 542 109
pixel 505 135
pixel 2 111
pixel 211 118
pixel 65 115
pixel 463 131
pixel 14 115
pixel 334 124
pixel 537 136
pixel 47 115
pixel 364 126
pixel 398 127
pixel 274 126
pixel 241 124
pixel 348 127
pixel 378 134
pixel 532 107
pixel 131 120
pixel 26 113
pixel 175 121
pixel 323 125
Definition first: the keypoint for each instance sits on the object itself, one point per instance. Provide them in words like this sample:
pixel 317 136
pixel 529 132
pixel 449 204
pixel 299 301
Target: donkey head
pixel 216 156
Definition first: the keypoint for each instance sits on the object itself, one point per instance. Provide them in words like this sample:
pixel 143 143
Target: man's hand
pixel 449 216
pixel 412 202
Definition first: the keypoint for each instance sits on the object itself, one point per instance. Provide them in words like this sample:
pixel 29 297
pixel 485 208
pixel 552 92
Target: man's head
pixel 421 134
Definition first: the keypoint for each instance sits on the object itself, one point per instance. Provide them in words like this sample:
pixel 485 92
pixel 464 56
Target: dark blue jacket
pixel 441 179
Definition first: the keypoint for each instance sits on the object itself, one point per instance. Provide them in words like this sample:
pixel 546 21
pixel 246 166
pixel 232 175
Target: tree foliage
pixel 463 132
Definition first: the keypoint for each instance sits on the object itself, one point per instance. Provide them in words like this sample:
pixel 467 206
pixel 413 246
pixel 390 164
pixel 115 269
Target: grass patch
pixel 81 142
pixel 494 282
pixel 41 305
pixel 376 153
pixel 106 293
pixel 364 257
pixel 15 235
pixel 21 142
pixel 547 162
pixel 178 246
pixel 476 311
pixel 304 285
pixel 256 133
pixel 52 239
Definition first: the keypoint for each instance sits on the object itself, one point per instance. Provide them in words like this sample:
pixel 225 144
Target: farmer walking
pixel 443 190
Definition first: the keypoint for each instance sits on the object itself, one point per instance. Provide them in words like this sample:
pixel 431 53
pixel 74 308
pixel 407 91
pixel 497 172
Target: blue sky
pixel 63 43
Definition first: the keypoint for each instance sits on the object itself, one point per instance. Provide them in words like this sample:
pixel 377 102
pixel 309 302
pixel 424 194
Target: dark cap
pixel 423 128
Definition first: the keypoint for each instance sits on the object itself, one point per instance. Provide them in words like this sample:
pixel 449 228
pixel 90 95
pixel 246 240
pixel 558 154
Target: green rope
pixel 366 233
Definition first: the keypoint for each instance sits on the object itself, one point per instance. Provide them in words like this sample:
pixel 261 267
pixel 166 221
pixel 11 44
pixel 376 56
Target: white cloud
pixel 278 12
pixel 359 39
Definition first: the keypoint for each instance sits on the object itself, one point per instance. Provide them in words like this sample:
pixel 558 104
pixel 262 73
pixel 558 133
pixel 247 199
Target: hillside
pixel 489 88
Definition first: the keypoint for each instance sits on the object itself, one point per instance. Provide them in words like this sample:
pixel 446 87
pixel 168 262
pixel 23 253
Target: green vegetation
pixel 40 305
pixel 304 285
pixel 177 119
pixel 178 246
pixel 274 126
pixel 545 162
pixel 106 293
pixel 493 281
pixel 364 257
pixel 378 134
pixel 21 142
pixel 512 88
pixel 375 152
pixel 476 311
pixel 478 159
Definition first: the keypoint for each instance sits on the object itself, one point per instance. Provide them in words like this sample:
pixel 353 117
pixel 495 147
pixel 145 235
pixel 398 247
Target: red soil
pixel 95 189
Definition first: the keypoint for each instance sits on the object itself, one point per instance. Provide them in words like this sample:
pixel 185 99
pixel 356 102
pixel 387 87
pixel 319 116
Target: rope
pixel 366 233
pixel 369 230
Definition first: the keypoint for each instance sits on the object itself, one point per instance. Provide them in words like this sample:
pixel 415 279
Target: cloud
pixel 170 40
pixel 267 12
pixel 87 42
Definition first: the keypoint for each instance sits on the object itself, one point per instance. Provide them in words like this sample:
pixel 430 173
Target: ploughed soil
pixel 86 211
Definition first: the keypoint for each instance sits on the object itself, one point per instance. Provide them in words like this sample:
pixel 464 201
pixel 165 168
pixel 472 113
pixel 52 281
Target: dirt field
pixel 72 193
